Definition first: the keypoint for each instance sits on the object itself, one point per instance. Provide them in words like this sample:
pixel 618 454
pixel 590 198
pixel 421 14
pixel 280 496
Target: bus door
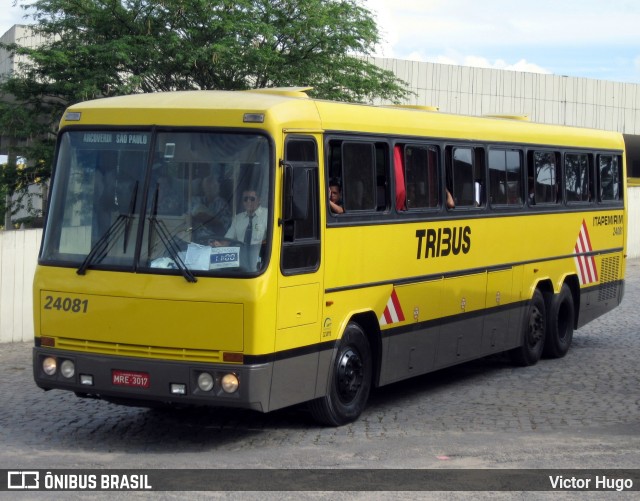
pixel 300 286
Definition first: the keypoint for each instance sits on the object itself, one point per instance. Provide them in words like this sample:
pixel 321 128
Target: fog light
pixel 67 369
pixel 178 389
pixel 86 379
pixel 49 366
pixel 230 383
pixel 205 381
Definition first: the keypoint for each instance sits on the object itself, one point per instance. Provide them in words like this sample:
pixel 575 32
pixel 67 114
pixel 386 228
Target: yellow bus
pixel 260 249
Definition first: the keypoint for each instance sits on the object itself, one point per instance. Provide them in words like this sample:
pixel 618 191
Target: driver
pixel 248 227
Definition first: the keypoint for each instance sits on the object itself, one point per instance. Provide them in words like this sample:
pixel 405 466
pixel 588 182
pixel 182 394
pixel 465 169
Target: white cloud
pixel 437 23
pixel 576 37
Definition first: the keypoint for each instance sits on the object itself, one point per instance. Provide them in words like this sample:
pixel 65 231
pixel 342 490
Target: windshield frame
pixel 61 171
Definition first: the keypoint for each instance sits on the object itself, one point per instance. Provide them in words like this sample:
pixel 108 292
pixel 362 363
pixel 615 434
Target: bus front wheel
pixel 533 335
pixel 560 326
pixel 349 381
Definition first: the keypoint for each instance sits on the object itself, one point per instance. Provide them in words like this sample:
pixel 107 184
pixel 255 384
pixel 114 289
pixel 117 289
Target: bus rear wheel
pixel 533 333
pixel 561 317
pixel 349 382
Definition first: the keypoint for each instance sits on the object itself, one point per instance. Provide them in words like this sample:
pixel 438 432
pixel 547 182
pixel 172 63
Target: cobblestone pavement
pixel 578 412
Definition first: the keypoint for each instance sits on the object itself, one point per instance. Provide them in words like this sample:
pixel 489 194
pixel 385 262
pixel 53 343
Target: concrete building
pixel 552 99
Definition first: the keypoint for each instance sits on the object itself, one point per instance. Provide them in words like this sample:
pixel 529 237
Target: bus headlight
pixel 205 381
pixel 49 366
pixel 230 383
pixel 68 369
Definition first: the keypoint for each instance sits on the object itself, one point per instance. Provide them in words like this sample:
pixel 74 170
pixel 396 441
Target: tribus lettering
pixel 443 242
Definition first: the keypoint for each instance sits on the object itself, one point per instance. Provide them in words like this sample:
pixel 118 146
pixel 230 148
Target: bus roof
pixel 290 108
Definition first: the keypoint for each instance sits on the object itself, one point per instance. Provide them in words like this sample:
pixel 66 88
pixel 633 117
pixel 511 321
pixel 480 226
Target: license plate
pixel 129 378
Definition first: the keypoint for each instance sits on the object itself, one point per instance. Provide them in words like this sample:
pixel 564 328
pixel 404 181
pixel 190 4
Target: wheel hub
pixel 536 327
pixel 350 375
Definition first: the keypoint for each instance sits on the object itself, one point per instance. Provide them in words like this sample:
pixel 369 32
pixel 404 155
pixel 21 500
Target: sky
pixel 582 38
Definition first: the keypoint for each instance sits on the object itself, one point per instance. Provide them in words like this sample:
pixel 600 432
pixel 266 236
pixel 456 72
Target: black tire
pixel 533 333
pixel 349 381
pixel 560 321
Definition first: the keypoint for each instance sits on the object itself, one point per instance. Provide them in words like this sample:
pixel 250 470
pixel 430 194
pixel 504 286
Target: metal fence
pixel 19 252
pixel 18 257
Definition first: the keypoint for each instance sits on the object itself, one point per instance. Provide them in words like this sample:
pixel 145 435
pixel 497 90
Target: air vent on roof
pixel 284 91
pixel 412 107
pixel 522 118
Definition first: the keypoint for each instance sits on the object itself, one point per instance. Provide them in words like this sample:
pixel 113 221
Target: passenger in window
pixel 335 196
pixel 451 204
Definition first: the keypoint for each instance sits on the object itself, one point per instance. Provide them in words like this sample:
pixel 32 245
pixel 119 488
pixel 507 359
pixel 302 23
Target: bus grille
pixel 130 350
pixel 609 278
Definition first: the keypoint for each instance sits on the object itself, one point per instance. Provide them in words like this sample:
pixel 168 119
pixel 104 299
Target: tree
pixel 106 47
pixel 101 48
pixel 27 136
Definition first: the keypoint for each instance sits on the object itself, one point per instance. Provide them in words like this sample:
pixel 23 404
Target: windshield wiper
pixel 106 242
pixel 132 208
pixel 167 240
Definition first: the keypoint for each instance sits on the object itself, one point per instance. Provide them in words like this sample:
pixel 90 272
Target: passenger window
pixel 544 174
pixel 421 176
pixel 609 177
pixel 465 176
pixel 577 177
pixel 505 177
pixel 360 168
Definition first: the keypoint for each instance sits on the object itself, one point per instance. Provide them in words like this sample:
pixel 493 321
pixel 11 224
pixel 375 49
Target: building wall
pixel 554 99
pixel 22 35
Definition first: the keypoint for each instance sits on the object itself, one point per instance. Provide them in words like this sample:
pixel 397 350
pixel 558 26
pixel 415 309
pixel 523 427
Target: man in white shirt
pixel 249 228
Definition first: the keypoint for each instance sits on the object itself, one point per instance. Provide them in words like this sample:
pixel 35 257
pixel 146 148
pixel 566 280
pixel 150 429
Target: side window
pixel 360 170
pixel 301 234
pixel 505 177
pixel 465 176
pixel 544 176
pixel 421 176
pixel 609 178
pixel 577 182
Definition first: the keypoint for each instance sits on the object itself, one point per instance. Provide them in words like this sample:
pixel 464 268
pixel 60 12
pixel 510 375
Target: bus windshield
pixel 190 202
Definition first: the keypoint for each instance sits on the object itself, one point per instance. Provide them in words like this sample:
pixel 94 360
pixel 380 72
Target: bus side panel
pixel 455 320
pixel 409 354
pixel 602 298
pixel 286 387
pixel 464 298
pixel 410 350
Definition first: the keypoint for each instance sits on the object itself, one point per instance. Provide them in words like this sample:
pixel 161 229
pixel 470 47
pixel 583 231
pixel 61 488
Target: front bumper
pixel 253 391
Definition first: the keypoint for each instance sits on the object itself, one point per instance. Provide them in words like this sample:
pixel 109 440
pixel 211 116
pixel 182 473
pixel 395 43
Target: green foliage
pixel 28 136
pixel 101 48
pixel 108 47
